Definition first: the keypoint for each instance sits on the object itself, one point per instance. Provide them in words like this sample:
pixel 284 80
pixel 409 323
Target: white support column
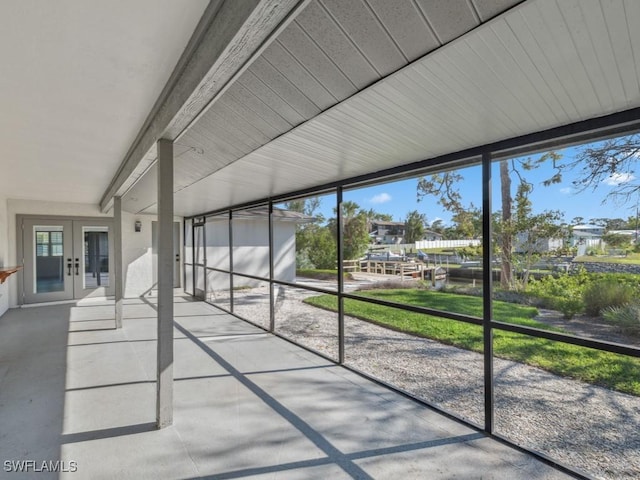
pixel 117 257
pixel 164 391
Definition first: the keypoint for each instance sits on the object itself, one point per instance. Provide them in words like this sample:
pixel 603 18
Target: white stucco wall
pixel 251 251
pixel 284 251
pixel 137 254
pixel 217 234
pixel 4 254
pixel 251 246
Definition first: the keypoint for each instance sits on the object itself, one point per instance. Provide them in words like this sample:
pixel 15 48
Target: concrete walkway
pixel 247 405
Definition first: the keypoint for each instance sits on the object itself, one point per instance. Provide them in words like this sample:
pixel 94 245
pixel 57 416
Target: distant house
pixel 586 235
pixel 582 236
pixel 588 229
pixel 387 233
pixel 539 245
pixel 430 236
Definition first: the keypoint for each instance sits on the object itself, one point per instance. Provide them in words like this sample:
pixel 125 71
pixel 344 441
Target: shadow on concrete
pixel 108 433
pixel 334 455
pixel 33 364
pixel 343 458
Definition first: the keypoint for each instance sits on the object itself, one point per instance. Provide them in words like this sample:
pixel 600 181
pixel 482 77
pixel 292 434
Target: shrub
pixel 566 285
pixel 322 249
pixel 569 307
pixel 604 293
pixel 574 292
pixel 626 317
pixel 563 292
pixel 302 260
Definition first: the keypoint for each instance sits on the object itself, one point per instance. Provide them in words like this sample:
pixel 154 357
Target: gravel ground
pixel 590 428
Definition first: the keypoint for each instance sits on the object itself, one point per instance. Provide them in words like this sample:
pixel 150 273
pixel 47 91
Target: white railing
pixel 447 243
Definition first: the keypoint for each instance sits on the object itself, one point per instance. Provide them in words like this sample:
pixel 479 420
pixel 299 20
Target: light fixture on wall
pixel 137 226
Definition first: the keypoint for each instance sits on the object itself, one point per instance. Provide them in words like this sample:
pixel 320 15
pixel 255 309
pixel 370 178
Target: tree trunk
pixel 506 240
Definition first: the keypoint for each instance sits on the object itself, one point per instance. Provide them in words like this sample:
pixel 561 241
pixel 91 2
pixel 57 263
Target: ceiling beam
pixel 224 43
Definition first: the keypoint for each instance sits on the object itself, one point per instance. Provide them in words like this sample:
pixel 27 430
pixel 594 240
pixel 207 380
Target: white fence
pixel 593 242
pixel 447 243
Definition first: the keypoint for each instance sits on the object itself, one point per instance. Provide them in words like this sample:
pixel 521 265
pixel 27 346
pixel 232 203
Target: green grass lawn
pixel 602 368
pixel 630 259
pixel 443 251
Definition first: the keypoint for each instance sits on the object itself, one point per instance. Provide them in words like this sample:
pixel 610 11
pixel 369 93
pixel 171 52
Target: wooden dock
pixel 405 270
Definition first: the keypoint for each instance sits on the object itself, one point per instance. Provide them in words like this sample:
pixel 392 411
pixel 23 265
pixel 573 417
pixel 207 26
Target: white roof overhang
pixel 266 97
pixel 540 65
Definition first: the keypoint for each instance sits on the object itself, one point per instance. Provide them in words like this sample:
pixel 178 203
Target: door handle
pixel 69 267
pixel 77 265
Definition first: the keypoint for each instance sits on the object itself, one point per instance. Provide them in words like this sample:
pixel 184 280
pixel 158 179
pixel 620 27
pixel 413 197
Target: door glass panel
pixel 188 241
pixel 49 261
pixel 198 234
pixel 188 279
pixel 199 285
pixel 95 257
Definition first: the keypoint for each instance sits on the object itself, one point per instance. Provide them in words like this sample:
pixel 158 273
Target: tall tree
pixel 467 223
pixel 444 187
pixel 613 162
pixel 437 226
pixel 372 216
pixel 532 232
pixel 315 243
pixel 355 231
pixel 414 226
pixel 506 233
pixel 322 250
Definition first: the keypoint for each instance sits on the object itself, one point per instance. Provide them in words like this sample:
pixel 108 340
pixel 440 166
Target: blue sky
pixel 399 198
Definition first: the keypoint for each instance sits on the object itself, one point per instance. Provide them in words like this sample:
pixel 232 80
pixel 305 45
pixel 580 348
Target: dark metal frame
pixel 622 123
pixel 272 301
pixel 340 255
pixel 487 286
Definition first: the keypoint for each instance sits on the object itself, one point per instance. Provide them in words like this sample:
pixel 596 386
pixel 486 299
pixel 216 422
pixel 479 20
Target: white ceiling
pixel 78 80
pixel 541 64
pixel 327 52
pixel 339 92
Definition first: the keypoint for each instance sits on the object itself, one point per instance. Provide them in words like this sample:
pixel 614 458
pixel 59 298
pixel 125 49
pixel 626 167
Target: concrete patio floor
pixel 247 405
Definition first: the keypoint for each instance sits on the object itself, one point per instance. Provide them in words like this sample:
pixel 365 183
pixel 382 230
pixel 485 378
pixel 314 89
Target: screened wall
pixel 507 296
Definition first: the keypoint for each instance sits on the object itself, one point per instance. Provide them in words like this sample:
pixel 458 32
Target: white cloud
pixel 566 190
pixel 619 178
pixel 380 198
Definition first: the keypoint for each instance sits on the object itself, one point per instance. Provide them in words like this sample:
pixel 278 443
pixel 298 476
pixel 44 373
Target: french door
pixel 66 259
